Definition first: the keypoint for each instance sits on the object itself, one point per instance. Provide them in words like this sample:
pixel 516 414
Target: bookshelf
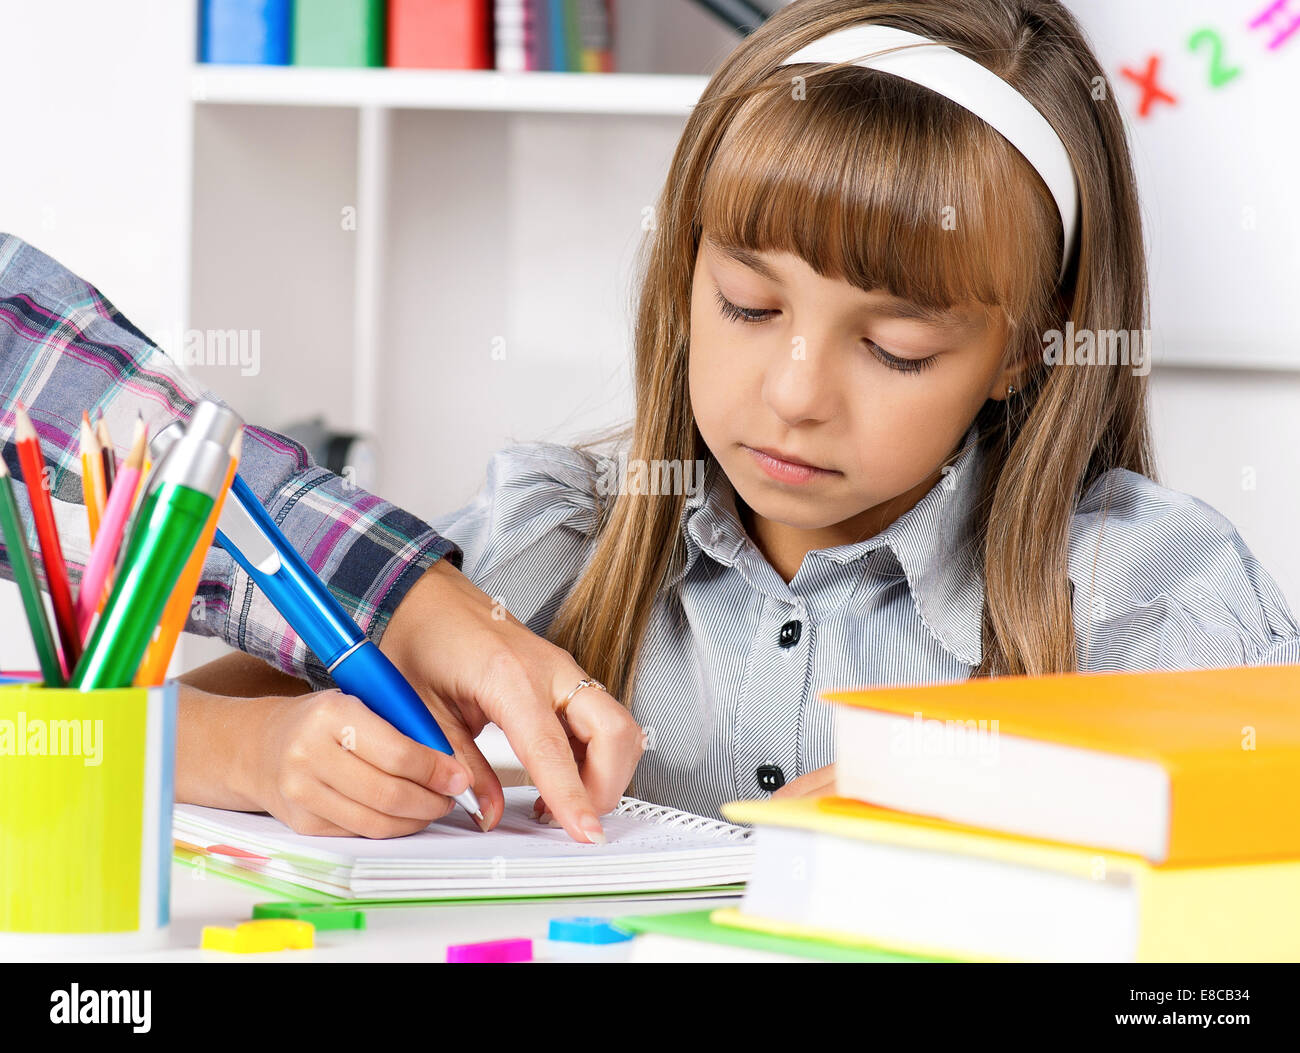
pixel 488 210
pixel 388 233
pixel 627 94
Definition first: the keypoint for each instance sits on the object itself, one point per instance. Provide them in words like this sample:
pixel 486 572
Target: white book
pixel 981 777
pixel 651 848
pixel 941 903
pixel 509 22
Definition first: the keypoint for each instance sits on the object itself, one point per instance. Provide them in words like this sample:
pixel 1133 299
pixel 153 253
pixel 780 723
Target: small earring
pixel 1011 390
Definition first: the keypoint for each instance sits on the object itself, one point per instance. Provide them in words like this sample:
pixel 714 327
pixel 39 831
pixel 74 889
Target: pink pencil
pixel 103 553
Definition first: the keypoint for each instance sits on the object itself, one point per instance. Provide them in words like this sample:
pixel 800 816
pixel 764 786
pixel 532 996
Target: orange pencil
pixel 153 667
pixel 32 462
pixel 93 489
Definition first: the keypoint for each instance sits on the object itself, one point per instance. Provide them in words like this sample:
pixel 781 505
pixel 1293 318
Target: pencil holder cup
pixel 86 789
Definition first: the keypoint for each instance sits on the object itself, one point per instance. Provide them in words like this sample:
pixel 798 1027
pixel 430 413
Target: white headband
pixel 967 83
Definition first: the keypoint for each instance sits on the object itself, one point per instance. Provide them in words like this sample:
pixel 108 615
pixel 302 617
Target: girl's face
pixel 832 410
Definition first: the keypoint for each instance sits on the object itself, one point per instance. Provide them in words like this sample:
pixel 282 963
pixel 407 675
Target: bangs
pixel 886 185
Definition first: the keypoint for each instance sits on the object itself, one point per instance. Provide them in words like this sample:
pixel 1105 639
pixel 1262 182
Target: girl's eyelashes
pixel 751 316
pixel 902 365
pixel 740 314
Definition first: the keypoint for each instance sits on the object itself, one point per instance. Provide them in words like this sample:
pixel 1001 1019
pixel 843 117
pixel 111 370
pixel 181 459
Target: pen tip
pixel 482 822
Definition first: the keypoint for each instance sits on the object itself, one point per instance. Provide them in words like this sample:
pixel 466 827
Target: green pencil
pixel 20 558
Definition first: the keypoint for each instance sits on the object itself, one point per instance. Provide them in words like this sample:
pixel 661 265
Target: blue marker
pixel 250 535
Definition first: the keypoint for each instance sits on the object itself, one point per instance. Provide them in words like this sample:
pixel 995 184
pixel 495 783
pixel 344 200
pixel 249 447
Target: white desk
pixel 392 934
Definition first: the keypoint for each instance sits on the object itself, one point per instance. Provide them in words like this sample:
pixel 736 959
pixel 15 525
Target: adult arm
pixel 65 348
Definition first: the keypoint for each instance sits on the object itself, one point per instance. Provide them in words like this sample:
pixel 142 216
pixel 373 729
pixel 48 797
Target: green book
pixel 338 33
pixel 697 925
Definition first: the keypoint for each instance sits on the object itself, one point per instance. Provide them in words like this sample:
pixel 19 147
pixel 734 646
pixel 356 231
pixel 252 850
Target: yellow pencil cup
pixel 86 790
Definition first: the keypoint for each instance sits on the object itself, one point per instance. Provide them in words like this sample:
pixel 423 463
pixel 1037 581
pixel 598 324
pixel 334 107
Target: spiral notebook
pixel 651 849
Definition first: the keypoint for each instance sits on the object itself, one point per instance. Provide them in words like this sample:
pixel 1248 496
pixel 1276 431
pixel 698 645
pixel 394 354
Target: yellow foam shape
pixel 217 938
pixel 297 935
pixel 256 937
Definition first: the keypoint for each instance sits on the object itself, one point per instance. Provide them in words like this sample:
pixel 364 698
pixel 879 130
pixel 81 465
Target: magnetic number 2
pixel 1219 73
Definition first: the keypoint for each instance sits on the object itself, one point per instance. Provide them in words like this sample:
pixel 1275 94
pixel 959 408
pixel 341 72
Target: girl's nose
pixel 799 385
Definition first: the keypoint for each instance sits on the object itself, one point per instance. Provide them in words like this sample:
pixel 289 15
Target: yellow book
pixel 853 873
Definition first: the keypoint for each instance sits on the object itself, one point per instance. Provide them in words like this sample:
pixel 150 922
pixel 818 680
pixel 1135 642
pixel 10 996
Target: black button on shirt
pixel 770 777
pixel 790 634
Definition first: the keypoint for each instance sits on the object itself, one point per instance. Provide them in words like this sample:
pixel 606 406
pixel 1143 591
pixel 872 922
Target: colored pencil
pixel 94 582
pixel 20 558
pixel 32 462
pixel 107 452
pixel 153 668
pixel 175 516
pixel 93 489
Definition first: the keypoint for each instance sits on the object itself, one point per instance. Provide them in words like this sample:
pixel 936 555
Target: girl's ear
pixel 1013 367
pixel 1004 379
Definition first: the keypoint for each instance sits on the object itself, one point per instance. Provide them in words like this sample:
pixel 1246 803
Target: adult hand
pixel 473 663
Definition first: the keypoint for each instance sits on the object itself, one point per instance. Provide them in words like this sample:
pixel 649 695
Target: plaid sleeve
pixel 64 349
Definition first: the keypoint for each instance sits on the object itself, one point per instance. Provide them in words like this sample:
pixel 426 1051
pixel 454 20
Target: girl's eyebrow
pixel 746 258
pixel 953 321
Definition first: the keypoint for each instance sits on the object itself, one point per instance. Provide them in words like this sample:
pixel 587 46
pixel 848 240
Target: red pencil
pixel 32 463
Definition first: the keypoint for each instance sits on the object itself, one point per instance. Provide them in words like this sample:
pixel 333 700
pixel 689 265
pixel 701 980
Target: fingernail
pixel 456 783
pixel 590 826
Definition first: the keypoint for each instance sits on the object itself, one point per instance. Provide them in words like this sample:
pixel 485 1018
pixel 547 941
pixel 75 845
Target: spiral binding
pixel 685 822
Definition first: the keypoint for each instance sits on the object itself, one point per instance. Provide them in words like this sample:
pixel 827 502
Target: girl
pixel 846 299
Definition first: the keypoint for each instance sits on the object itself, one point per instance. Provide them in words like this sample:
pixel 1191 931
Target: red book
pixel 440 34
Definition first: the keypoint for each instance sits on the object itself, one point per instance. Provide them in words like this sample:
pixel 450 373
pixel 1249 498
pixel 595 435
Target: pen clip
pixel 239 534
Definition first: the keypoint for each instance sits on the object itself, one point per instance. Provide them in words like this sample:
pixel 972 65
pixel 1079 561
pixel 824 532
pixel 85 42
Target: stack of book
pixel 1081 817
pixel 508 35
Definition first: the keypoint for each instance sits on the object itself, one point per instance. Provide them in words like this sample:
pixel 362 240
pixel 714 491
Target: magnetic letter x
pixel 1151 91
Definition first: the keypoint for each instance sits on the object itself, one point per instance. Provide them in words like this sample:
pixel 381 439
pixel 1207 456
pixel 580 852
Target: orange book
pixel 1197 766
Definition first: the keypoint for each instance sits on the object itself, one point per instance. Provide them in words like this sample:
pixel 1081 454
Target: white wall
pixel 96 161
pixel 1230 437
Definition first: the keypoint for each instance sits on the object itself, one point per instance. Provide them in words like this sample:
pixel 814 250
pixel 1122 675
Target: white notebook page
pixel 638 833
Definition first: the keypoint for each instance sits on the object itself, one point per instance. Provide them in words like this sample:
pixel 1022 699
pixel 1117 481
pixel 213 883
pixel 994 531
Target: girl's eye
pixel 902 365
pixel 740 314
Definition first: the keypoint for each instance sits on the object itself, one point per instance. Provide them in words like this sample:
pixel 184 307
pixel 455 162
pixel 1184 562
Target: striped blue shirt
pixel 735 656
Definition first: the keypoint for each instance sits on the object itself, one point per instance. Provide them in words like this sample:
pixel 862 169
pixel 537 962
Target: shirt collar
pixel 932 543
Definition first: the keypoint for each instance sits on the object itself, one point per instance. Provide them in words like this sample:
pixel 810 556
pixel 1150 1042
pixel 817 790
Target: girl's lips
pixel 784 471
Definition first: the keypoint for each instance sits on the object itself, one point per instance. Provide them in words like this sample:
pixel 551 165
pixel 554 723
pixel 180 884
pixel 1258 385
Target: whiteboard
pixel 1218 172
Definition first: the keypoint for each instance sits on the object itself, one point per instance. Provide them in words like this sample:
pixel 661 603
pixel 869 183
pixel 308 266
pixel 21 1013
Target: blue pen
pixel 250 535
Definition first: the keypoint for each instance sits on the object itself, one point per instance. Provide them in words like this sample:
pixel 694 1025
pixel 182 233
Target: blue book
pixel 559 53
pixel 246 32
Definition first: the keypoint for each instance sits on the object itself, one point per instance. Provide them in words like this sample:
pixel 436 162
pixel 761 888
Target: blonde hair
pixel 854 173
